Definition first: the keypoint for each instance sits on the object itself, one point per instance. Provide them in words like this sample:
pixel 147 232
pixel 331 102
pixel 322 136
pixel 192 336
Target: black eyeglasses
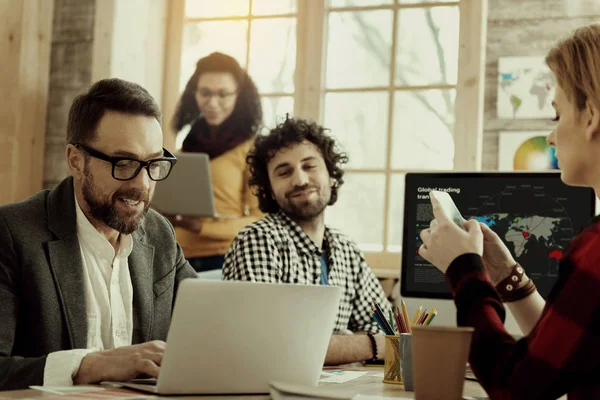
pixel 206 95
pixel 125 168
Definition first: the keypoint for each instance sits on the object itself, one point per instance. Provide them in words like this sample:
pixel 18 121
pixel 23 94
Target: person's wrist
pixel 374 347
pixel 82 376
pixel 88 371
pixel 516 286
pixel 506 269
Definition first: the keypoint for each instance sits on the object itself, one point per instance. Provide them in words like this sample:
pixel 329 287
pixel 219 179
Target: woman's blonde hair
pixel 575 61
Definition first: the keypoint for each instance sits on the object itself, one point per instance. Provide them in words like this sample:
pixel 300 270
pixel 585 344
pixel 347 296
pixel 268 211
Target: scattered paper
pixel 340 376
pixel 67 389
pixel 90 393
pixel 287 391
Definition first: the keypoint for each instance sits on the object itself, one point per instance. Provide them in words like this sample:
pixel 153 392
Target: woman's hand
pixel 497 259
pixel 444 240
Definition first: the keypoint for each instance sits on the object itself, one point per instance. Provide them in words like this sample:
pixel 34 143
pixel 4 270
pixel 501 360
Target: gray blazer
pixel 42 301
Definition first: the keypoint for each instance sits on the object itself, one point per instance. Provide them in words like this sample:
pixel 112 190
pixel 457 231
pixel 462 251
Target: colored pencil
pixel 431 318
pixel 417 315
pixel 381 316
pixel 383 321
pixel 400 321
pixel 398 327
pixel 405 315
pixel 383 328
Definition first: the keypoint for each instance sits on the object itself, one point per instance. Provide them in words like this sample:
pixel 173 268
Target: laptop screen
pixel 535 214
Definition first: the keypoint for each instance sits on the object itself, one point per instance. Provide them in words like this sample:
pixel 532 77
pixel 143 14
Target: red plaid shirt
pixel 561 354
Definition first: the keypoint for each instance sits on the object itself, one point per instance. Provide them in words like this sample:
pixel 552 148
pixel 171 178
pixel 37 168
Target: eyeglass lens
pixel 127 169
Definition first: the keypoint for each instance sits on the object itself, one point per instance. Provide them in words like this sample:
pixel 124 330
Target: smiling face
pixel 300 182
pixel 575 138
pixel 216 95
pixel 108 203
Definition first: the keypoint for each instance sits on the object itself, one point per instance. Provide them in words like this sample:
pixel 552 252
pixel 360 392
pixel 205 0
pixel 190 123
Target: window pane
pixel 359 122
pixel 358 3
pixel 274 110
pixel 427 46
pixel 359 48
pixel 361 197
pixel 272 66
pixel 422 129
pixel 273 7
pixel 396 214
pixel 220 8
pixel 201 39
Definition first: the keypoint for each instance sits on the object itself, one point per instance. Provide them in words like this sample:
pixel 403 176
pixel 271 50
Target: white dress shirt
pixel 108 298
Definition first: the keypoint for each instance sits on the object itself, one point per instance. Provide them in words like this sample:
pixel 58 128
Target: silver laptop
pixel 188 189
pixel 235 337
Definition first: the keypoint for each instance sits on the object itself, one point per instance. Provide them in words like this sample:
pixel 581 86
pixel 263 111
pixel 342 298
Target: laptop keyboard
pixel 147 381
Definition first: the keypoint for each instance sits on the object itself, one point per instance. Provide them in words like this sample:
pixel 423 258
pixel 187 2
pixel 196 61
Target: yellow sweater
pixel 233 199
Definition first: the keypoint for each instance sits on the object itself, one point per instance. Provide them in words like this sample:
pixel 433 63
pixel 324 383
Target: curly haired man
pixel 296 172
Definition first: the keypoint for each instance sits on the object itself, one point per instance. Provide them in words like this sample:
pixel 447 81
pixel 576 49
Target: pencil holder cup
pixel 391 369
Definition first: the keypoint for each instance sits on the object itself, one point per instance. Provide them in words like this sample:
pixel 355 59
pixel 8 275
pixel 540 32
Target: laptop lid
pixel 235 337
pixel 534 213
pixel 188 189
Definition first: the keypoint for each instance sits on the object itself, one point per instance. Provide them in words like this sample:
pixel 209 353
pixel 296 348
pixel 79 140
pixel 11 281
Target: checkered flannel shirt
pixel 562 352
pixel 276 250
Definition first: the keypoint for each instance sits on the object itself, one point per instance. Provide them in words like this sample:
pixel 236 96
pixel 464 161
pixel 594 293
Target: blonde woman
pixel 561 351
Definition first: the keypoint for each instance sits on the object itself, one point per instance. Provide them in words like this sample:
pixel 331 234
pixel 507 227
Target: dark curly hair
pixel 286 135
pixel 246 117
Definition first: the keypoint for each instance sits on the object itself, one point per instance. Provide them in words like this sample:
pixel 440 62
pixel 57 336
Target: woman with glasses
pixel 220 113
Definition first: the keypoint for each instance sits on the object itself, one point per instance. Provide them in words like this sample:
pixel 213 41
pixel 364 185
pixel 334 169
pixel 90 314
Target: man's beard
pixel 306 210
pixel 106 211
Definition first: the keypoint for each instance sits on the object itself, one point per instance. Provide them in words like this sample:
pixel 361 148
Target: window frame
pixel 309 90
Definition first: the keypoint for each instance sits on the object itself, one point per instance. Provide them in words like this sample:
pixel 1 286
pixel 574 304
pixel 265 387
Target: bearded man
pixel 88 273
pixel 296 172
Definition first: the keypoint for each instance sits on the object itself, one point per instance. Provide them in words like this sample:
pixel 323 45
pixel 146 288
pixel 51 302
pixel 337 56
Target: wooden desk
pixel 369 384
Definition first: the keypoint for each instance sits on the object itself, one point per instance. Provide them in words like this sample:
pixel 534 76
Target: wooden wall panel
pixel 7 178
pixel 25 54
pixel 470 86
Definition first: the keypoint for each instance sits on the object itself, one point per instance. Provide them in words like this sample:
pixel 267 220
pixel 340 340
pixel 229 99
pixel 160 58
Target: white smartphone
pixel 449 207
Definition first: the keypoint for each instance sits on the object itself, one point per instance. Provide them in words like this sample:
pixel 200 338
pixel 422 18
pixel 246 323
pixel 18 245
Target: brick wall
pixel 70 75
pixel 524 28
pixel 122 47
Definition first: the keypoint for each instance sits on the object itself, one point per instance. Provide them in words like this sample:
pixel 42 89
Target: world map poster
pixel 525 88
